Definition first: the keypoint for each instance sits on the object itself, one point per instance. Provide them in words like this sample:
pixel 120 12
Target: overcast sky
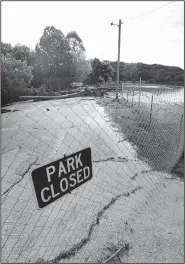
pixel 156 37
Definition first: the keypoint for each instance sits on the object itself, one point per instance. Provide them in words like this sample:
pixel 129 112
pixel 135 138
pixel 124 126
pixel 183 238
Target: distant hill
pixel 150 73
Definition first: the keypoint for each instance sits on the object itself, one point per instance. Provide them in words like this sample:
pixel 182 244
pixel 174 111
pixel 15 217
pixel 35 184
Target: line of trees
pixel 154 73
pixel 106 71
pixel 58 60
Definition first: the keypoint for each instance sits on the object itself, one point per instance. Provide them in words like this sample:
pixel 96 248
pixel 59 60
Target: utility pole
pixel 118 61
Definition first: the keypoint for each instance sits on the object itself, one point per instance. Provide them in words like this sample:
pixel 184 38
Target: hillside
pixel 148 72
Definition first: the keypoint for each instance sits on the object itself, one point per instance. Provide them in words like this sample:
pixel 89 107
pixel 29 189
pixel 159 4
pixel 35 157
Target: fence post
pixel 180 129
pixel 133 95
pixel 180 146
pixel 181 121
pixel 127 96
pixel 122 90
pixel 139 92
pixel 151 109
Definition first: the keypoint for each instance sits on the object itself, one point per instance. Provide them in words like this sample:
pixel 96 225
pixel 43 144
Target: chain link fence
pixel 160 110
pixel 93 221
pixel 156 125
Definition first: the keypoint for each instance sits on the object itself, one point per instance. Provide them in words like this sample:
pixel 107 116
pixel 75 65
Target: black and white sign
pixel 54 180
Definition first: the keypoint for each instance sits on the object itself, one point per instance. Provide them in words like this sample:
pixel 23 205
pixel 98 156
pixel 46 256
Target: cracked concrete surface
pixel 161 238
pixel 29 233
pixel 71 252
pixel 22 173
pixel 158 235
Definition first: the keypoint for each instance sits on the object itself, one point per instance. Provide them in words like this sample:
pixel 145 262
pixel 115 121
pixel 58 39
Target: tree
pixel 106 70
pixel 168 78
pixel 6 49
pixel 82 71
pixel 123 72
pixel 161 75
pixel 53 62
pixel 80 66
pixel 134 73
pixel 180 78
pixel 22 53
pixel 101 71
pixel 75 42
pixel 145 75
pixel 60 60
pixel 95 73
pixel 16 76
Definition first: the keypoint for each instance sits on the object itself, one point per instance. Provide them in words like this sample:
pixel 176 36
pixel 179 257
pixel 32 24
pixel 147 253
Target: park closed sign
pixel 54 180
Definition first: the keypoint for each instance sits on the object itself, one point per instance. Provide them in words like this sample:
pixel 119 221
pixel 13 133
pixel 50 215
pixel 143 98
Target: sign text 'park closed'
pixel 52 181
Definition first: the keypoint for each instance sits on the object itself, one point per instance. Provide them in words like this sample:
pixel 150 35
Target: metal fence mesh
pixel 96 217
pixel 162 113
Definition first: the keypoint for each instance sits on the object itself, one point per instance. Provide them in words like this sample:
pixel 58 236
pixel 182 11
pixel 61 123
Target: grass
pixel 155 140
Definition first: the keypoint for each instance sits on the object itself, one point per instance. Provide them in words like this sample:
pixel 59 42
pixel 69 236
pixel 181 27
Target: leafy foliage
pixel 95 74
pixel 56 62
pixel 161 75
pixel 6 48
pixel 106 70
pixel 146 75
pixel 101 71
pixel 52 58
pixel 59 60
pixel 23 53
pixel 16 76
pixel 150 73
pixel 134 73
pixel 75 42
pixel 81 67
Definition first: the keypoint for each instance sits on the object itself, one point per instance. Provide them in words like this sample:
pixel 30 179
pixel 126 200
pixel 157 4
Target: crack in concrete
pixel 74 249
pixel 136 174
pixel 21 175
pixel 10 150
pixel 119 159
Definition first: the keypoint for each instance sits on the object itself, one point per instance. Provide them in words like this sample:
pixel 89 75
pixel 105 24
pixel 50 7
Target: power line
pixel 150 11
